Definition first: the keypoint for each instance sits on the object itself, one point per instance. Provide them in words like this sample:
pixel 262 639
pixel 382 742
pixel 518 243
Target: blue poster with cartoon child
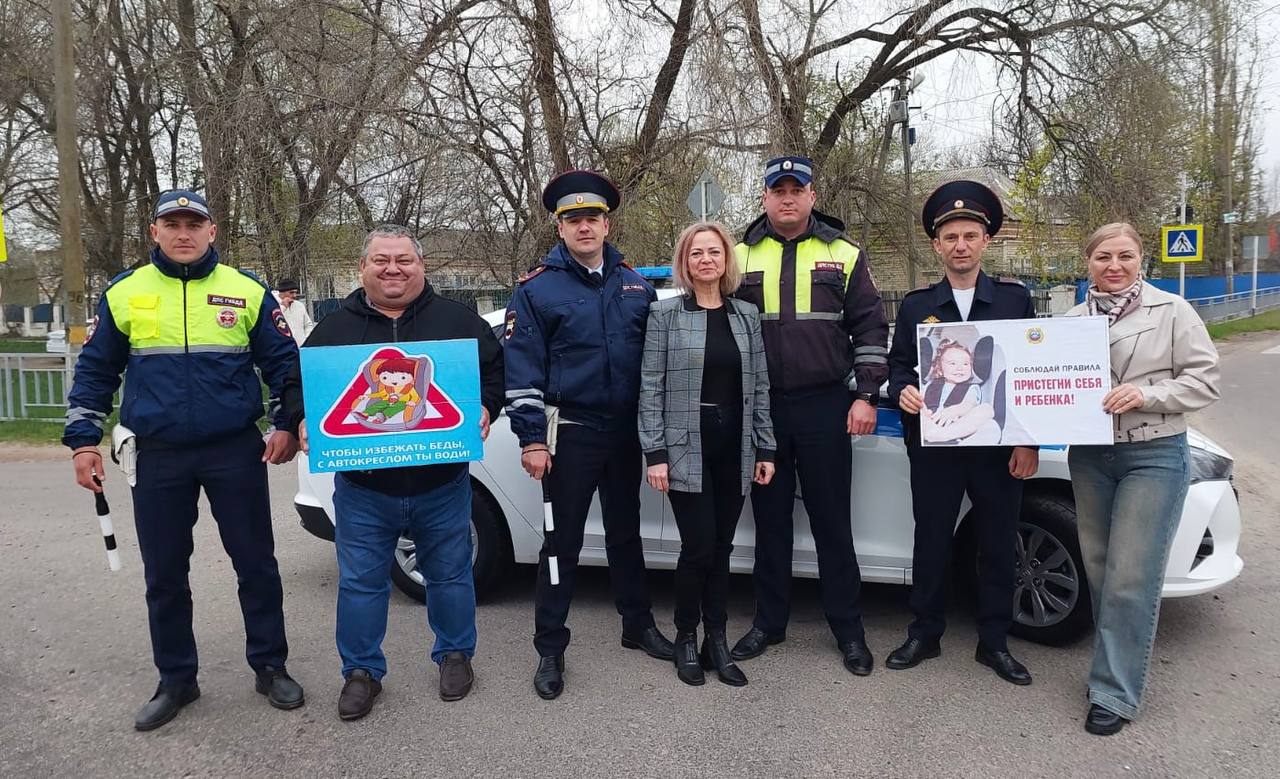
pixel 392 405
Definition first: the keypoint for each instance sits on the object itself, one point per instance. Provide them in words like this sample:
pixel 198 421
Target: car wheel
pixel 1051 594
pixel 490 550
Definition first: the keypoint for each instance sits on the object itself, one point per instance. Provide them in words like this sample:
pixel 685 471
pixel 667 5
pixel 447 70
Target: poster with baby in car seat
pixel 392 405
pixel 1014 382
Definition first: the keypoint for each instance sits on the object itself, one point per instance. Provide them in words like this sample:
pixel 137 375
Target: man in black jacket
pixel 433 502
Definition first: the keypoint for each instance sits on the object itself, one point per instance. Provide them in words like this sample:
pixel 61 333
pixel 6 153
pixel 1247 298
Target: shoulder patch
pixel 1010 280
pixel 531 274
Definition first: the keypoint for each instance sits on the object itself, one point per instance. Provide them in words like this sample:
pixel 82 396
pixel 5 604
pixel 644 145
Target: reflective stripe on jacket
pixel 188 338
pixel 820 311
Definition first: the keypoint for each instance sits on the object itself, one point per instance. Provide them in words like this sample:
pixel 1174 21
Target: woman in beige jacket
pixel 1129 495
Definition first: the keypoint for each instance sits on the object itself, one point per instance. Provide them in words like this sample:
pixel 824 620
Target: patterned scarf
pixel 1114 305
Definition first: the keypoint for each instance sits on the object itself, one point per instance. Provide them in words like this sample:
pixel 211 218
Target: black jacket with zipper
pixel 429 318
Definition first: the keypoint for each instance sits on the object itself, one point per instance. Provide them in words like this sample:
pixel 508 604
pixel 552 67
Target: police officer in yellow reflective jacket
pixel 825 340
pixel 188 332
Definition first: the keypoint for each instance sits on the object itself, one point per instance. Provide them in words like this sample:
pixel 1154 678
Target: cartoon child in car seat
pixel 954 408
pixel 394 393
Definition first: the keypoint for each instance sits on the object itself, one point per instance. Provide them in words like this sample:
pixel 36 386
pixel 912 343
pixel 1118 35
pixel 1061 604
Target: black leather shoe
pixel 912 653
pixel 358 692
pixel 1004 664
pixel 715 654
pixel 651 641
pixel 165 705
pixel 279 687
pixel 1102 722
pixel 456 676
pixel 548 680
pixel 688 669
pixel 754 643
pixel 857 658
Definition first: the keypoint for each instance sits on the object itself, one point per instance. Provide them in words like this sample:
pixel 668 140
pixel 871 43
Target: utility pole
pixel 1182 219
pixel 64 87
pixel 904 91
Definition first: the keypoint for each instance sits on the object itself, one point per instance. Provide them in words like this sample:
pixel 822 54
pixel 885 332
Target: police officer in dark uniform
pixel 189 330
pixel 574 341
pixel 960 217
pixel 825 339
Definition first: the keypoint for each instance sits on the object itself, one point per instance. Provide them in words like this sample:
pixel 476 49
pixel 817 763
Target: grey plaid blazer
pixel 671 388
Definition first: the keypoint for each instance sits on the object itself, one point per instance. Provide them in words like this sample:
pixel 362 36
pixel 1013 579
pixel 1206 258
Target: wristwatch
pixel 874 400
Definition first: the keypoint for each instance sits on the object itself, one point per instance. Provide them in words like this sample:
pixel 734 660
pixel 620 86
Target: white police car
pixel 1051 602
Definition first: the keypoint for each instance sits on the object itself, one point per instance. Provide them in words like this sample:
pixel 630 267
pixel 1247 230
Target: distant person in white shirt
pixel 295 311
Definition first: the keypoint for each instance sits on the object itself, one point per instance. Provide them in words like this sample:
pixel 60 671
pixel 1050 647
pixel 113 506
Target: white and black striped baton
pixel 549 531
pixel 108 532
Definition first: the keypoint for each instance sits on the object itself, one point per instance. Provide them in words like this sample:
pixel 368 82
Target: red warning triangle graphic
pixel 387 396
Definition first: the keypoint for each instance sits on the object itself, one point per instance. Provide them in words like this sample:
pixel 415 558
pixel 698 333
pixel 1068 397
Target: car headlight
pixel 1207 466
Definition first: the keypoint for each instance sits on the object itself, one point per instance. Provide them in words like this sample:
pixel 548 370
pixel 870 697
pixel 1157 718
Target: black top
pixel 429 318
pixel 722 363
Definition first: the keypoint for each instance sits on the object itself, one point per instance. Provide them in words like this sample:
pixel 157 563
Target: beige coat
pixel 1164 350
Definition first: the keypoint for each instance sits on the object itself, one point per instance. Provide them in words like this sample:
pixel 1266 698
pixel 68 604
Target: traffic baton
pixel 108 532
pixel 549 531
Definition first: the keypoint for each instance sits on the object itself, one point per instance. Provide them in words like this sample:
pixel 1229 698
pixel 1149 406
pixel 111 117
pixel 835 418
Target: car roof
pixel 494 318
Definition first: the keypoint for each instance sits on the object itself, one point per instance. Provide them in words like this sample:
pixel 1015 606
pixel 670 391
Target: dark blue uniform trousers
pixel 940 477
pixel 813 446
pixel 587 460
pixel 234 479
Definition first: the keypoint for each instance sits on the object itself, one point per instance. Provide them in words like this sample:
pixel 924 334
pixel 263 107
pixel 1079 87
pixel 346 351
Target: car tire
pixel 1051 595
pixel 492 555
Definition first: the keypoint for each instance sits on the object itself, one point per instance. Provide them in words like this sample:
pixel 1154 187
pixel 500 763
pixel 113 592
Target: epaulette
pixel 253 276
pixel 925 288
pixel 626 265
pixel 118 279
pixel 531 274
pixel 1010 280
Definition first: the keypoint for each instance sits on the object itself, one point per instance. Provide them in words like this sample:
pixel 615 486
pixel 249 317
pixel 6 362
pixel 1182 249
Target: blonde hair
pixel 680 257
pixel 1109 231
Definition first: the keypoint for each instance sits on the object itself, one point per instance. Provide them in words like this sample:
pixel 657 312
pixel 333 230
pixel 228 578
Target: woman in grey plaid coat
pixel 705 432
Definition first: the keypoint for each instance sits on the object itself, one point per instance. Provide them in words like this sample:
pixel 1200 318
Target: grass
pixel 11 345
pixel 1269 320
pixel 30 432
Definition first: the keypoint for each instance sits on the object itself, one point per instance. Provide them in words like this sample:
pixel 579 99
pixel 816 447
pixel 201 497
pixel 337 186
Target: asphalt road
pixel 75 665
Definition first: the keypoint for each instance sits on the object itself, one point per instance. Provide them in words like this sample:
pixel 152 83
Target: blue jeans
pixel 1129 501
pixel 368 526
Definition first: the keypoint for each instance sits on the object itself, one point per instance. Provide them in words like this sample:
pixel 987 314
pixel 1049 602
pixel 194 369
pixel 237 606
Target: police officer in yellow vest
pixel 825 340
pixel 188 331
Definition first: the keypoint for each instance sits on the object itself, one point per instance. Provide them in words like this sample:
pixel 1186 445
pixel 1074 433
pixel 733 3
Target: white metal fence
pixel 34 386
pixel 1220 308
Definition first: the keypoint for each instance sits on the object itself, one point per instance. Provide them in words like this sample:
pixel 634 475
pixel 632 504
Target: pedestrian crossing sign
pixel 1182 243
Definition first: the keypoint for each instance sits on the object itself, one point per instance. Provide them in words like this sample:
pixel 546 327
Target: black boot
pixel 715 654
pixel 688 670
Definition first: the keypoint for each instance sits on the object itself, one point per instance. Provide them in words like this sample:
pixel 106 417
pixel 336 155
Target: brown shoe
pixel 455 677
pixel 356 699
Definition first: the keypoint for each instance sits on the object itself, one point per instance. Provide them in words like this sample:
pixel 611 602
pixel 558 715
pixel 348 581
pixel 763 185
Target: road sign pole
pixel 703 217
pixel 1182 219
pixel 1253 292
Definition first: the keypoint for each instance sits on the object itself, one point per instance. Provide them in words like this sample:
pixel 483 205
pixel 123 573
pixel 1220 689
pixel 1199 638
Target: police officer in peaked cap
pixel 574 340
pixel 960 217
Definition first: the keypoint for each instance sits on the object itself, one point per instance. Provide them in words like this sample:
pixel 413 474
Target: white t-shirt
pixel 964 300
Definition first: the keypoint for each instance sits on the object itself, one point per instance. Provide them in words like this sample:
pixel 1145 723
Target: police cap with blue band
pixel 778 168
pixel 962 200
pixel 177 201
pixel 580 193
